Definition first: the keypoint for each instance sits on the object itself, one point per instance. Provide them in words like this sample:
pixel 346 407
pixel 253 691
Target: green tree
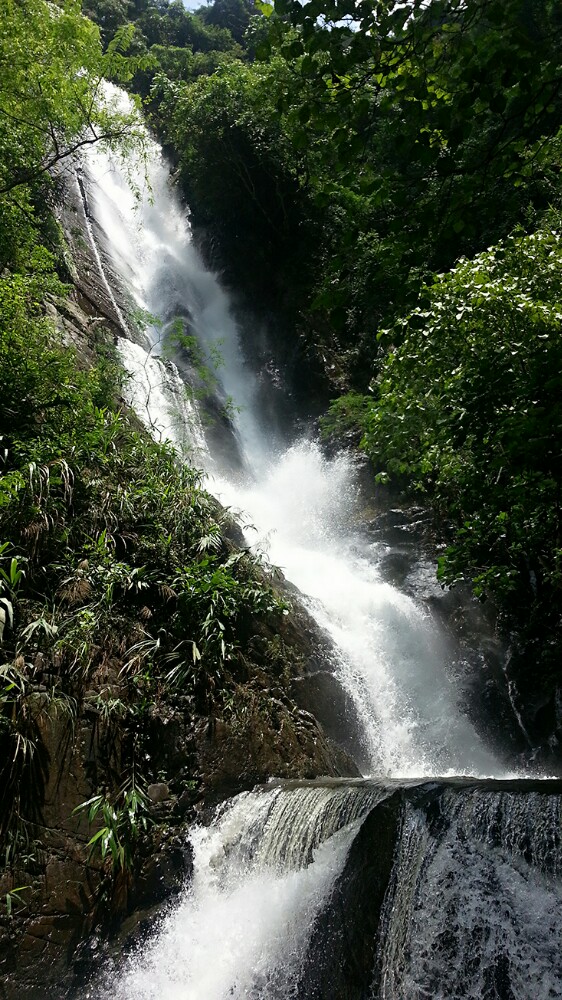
pixel 418 133
pixel 444 57
pixel 231 14
pixel 52 105
pixel 51 102
pixel 110 15
pixel 468 409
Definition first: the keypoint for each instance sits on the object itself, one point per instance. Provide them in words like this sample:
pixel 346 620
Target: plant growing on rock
pixel 468 410
pixel 123 589
pixel 124 819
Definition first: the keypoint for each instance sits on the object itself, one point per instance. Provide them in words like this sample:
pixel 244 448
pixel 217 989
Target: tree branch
pixel 29 175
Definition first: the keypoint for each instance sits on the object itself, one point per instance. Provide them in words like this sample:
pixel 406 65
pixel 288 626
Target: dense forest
pixel 382 181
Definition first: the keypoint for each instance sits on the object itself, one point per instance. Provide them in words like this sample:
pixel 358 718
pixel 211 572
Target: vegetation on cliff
pixel 120 584
pixel 51 106
pixel 467 410
pixel 363 157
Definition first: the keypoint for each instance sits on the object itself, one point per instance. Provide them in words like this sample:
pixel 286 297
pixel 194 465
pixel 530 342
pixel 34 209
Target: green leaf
pixel 265 8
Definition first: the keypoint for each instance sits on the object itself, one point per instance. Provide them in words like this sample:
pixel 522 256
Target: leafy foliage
pixel 52 104
pixel 123 823
pixel 432 62
pixel 168 41
pixel 468 409
pixel 370 147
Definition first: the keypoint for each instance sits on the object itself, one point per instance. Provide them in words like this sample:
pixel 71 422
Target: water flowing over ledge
pixel 365 890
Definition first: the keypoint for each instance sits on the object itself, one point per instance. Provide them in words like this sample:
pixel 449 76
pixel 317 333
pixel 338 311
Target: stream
pixel 439 874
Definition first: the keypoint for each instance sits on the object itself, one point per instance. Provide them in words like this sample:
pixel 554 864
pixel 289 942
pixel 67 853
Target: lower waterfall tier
pixel 363 890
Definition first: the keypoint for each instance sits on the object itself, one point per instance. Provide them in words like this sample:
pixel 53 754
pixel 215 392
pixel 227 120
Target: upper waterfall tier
pixel 403 675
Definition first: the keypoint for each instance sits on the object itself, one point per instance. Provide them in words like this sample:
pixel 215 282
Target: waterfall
pixel 262 872
pixel 467 906
pixel 474 907
pixel 392 658
pixel 468 892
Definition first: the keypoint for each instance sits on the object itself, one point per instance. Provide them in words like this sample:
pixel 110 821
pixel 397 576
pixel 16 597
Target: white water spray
pixel 262 872
pixel 391 658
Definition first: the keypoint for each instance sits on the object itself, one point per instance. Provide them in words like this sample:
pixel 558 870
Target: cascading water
pixel 173 294
pixel 158 395
pixel 474 909
pixel 392 659
pixel 261 874
pixel 265 871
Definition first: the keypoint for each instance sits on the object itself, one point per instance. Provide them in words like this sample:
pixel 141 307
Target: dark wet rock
pixel 262 739
pixel 94 296
pixel 321 694
pixel 158 792
pixel 341 954
pixel 163 874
